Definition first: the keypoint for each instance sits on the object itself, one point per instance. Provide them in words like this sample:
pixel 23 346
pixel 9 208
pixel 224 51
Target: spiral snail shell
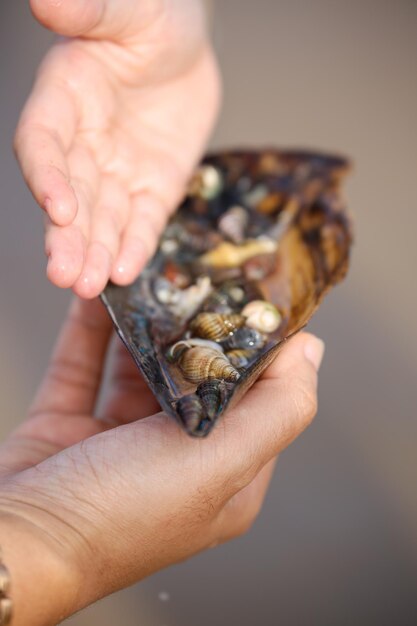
pixel 212 394
pixel 262 316
pixel 240 357
pixel 178 348
pixel 216 326
pixel 191 412
pixel 198 364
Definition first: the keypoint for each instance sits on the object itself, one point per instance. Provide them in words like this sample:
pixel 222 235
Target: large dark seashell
pixel 292 250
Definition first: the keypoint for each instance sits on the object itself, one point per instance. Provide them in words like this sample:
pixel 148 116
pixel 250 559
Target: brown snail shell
pixel 212 394
pixel 216 326
pixel 178 348
pixel 198 364
pixel 240 358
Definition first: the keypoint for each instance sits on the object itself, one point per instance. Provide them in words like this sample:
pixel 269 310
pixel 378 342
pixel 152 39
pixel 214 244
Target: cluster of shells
pixel 216 351
pixel 258 241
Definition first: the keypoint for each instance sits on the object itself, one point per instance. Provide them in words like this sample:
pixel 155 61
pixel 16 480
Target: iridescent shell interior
pixel 242 266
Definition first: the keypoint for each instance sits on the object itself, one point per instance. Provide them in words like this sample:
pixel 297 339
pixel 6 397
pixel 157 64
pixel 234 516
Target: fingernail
pixel 314 351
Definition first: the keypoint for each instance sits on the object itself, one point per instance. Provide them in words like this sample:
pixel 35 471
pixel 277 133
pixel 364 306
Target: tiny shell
pixel 240 358
pixel 165 291
pixel 233 223
pixel 198 364
pixel 183 303
pixel 229 255
pixel 212 394
pixel 244 338
pixel 191 412
pixel 226 298
pixel 206 183
pixel 262 316
pixel 179 347
pixel 216 326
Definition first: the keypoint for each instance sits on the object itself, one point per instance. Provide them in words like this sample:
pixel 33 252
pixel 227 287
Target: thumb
pixel 100 19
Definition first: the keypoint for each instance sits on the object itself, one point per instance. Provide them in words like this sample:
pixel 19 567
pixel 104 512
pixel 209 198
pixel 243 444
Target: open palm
pixel 117 119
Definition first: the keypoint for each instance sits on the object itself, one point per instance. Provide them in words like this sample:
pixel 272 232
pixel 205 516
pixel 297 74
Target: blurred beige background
pixel 337 540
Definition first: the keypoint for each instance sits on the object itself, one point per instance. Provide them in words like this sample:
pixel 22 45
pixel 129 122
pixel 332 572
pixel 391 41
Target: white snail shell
pixel 262 316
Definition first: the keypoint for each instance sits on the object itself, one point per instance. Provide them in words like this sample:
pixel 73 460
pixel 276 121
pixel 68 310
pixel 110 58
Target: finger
pixel 74 374
pixel 115 19
pixel 146 221
pixel 108 220
pixel 280 405
pixel 66 246
pixel 43 137
pixel 241 511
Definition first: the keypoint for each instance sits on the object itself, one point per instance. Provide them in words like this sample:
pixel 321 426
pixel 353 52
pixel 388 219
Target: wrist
pixel 43 587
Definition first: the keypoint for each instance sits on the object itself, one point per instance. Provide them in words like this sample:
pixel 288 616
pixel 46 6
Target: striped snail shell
pixel 191 412
pixel 262 316
pixel 181 346
pixel 233 223
pixel 216 326
pixel 198 364
pixel 244 338
pixel 212 394
pixel 239 357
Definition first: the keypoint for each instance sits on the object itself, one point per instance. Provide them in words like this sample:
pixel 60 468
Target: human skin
pixel 94 498
pixel 118 117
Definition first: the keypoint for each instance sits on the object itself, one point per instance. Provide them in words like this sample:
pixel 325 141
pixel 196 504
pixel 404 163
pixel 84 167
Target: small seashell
pixel 244 338
pixel 198 364
pixel 169 246
pixel 226 298
pixel 179 347
pixel 258 267
pixel 255 195
pixel 262 316
pixel 233 223
pixel 176 275
pixel 216 326
pixel 165 292
pixel 206 183
pixel 240 358
pixel 190 299
pixel 191 412
pixel 229 255
pixel 212 394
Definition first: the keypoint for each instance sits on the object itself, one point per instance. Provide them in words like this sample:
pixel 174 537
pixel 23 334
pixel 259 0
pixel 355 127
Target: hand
pixel 89 505
pixel 118 117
